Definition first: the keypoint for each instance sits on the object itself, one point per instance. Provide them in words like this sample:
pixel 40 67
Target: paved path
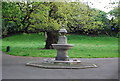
pixel 14 68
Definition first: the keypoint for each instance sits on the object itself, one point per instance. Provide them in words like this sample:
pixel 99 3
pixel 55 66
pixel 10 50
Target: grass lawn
pixel 85 46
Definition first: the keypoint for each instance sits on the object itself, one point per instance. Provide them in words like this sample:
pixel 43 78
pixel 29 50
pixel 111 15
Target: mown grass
pixel 85 46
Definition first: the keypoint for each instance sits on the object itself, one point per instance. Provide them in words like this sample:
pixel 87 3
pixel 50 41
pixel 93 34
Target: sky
pixel 103 5
pixel 99 4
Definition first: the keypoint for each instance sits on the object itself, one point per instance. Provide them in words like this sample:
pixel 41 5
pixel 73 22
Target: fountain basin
pixel 62 51
pixel 62 46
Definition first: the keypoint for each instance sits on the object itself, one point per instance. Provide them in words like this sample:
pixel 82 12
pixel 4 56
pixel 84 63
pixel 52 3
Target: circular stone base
pixel 61 65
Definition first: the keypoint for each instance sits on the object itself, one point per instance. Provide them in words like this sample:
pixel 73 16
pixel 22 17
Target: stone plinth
pixel 70 62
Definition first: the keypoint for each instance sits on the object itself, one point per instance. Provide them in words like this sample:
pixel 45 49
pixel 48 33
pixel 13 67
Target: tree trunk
pixel 52 38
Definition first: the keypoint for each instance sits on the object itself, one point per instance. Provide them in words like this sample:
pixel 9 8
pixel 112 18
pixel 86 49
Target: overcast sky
pixel 103 5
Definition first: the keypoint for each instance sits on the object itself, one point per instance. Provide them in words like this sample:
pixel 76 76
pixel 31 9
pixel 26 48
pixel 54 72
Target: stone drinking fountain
pixel 62 60
pixel 62 48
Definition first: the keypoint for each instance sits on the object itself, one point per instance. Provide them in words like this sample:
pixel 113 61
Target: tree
pixel 16 16
pixel 114 22
pixel 82 18
pixel 74 15
pixel 49 16
pixel 0 19
pixel 10 17
pixel 101 16
pixel 46 18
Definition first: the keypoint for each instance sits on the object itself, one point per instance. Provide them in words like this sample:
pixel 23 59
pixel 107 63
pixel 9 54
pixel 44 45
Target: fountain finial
pixel 63 26
pixel 63 31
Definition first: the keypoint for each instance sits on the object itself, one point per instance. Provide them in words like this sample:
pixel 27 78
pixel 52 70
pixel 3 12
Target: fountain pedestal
pixel 62 54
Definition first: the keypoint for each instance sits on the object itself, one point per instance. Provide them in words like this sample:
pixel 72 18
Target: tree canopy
pixel 49 16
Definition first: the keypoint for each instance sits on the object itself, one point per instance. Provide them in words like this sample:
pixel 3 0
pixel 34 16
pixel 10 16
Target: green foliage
pixel 84 46
pixel 114 12
pixel 40 18
pixel 10 17
pixel 16 16
pixel 82 17
pixel 47 16
pixel 114 22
